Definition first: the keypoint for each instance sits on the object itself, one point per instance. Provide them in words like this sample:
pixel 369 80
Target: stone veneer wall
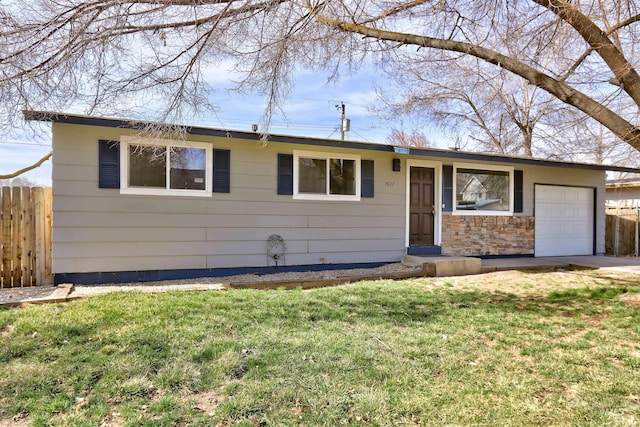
pixel 471 235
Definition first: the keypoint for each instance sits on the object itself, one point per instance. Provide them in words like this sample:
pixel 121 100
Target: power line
pixel 273 124
pixel 25 143
pixel 365 139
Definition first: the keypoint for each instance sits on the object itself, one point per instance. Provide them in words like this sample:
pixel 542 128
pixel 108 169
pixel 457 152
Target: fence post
pixel 48 236
pixel 40 224
pixel 635 252
pixel 27 233
pixel 16 235
pixel 5 207
pixel 616 233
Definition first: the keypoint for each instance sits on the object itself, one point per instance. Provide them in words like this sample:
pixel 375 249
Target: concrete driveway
pixel 626 264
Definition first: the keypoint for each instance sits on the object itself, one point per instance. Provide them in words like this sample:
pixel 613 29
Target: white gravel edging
pixel 220 283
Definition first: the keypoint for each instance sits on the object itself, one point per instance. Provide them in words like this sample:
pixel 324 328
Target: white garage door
pixel 564 220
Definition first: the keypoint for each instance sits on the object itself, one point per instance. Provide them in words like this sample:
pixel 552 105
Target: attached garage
pixel 564 220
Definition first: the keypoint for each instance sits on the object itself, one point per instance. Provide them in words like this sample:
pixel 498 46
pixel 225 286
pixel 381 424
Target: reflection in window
pixel 327 176
pixel 343 176
pixel 167 167
pixel 312 175
pixel 147 166
pixel 188 168
pixel 485 190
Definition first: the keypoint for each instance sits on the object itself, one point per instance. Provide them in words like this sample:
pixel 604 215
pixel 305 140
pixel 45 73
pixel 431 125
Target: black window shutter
pixel 108 164
pixel 221 171
pixel 517 191
pixel 366 178
pixel 447 188
pixel 285 173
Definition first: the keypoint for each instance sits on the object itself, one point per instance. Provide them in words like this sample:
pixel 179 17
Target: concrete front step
pixel 442 266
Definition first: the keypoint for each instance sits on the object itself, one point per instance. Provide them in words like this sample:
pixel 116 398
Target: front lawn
pixel 559 348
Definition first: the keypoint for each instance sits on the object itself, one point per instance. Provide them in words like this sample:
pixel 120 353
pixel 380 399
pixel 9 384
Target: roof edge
pixel 623 184
pixel 78 119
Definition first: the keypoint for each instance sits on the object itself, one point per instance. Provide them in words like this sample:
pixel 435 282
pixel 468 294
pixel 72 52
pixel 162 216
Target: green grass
pixel 383 353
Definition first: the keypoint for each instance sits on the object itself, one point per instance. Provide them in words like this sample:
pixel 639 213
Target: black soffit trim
pixel 47 116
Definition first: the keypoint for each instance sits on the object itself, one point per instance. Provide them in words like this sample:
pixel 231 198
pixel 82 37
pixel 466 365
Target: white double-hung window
pixel 165 167
pixel 326 176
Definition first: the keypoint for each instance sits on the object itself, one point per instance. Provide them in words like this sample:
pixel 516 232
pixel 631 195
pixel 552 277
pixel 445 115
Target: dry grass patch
pixel 207 401
pixel 631 299
pixel 113 419
pixel 6 331
pixel 19 420
pixel 536 282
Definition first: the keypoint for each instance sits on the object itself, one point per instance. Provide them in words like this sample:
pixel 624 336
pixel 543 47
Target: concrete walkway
pixel 629 265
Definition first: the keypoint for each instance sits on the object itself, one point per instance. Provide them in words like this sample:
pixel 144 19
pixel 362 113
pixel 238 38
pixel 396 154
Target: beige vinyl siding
pixel 183 248
pixel 133 234
pixel 127 263
pixel 306 233
pixel 100 230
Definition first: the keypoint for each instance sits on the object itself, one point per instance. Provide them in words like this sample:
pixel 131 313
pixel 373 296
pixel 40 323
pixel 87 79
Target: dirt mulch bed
pixel 290 279
pixel 16 295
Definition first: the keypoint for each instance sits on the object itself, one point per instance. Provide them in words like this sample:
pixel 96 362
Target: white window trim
pixel 480 166
pixel 325 155
pixel 126 141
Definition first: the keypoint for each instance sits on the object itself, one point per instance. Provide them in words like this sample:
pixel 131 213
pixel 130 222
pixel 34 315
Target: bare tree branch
pixel 621 127
pixel 28 168
pixel 132 55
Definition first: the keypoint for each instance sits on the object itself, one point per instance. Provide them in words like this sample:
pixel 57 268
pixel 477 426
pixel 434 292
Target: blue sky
pixel 15 155
pixel 309 111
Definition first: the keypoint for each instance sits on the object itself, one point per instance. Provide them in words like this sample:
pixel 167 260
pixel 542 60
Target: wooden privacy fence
pixel 25 236
pixel 622 231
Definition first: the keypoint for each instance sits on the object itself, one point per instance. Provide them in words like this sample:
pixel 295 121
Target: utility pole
pixel 342 121
pixel 345 124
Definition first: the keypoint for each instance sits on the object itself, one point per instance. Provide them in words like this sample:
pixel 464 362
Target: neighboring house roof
pixel 77 119
pixel 623 193
pixel 623 183
pixel 474 186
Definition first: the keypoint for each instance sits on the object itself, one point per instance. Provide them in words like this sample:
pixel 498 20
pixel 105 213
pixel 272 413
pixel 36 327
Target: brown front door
pixel 421 206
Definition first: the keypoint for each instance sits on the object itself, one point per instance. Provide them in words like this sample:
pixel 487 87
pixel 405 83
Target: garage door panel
pixel 564 220
pixel 584 194
pixel 564 247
